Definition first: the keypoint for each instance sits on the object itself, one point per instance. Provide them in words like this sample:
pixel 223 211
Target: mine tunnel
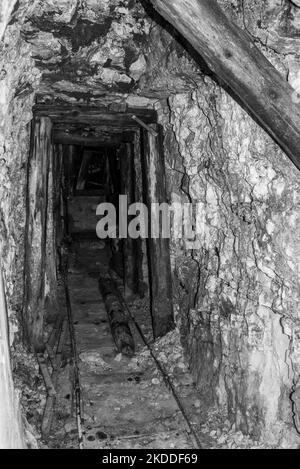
pixel 149 225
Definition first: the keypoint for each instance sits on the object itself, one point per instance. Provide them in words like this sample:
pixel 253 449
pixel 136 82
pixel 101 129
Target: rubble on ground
pixel 32 394
pixel 94 360
pixel 167 350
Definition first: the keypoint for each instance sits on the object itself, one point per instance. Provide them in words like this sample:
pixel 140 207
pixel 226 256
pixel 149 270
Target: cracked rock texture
pixel 241 320
pixel 238 291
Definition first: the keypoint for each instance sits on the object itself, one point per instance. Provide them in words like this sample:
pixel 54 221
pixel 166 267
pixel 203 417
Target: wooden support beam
pixel 141 248
pixel 58 222
pixel 158 248
pixel 52 225
pixel 117 319
pixel 69 175
pixel 71 139
pixel 233 57
pixel 11 431
pixel 95 115
pixel 81 180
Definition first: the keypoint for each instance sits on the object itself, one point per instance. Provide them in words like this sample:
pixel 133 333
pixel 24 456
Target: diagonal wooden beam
pixel 234 58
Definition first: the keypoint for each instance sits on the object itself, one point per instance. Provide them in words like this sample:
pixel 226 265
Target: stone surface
pixel 6 9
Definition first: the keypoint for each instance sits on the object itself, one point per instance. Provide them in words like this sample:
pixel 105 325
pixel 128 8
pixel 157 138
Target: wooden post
pixel 117 318
pixel 36 230
pixel 131 246
pixel 11 434
pixel 142 262
pixel 237 62
pixel 158 248
pixel 68 155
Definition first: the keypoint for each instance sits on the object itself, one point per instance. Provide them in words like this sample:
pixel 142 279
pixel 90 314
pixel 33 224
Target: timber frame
pixel 52 128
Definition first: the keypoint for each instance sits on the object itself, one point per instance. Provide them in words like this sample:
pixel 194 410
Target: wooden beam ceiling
pixel 93 126
pixel 78 134
pixel 96 115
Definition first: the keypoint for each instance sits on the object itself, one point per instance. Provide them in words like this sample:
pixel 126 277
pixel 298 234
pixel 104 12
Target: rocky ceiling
pixel 87 49
pixel 90 135
pixel 90 51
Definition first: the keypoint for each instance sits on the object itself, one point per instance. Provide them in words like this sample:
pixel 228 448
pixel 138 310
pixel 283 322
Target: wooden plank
pixel 69 139
pixel 158 248
pixel 94 131
pixel 233 57
pixel 95 115
pixel 117 318
pixel 81 180
pixel 132 247
pixel 11 432
pixel 126 243
pixel 141 260
pixel 58 166
pixel 70 154
pixel 50 389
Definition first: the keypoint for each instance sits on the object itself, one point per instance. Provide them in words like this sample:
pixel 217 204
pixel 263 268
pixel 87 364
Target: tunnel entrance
pixel 95 156
pixel 81 159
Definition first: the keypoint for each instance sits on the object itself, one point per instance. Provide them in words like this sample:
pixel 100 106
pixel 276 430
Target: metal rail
pixel 168 382
pixel 77 385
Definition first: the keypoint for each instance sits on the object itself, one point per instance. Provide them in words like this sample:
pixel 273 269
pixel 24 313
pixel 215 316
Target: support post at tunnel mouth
pixel 158 249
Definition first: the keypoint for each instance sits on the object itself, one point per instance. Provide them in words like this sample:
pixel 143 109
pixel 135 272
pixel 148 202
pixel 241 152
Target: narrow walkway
pixel 126 404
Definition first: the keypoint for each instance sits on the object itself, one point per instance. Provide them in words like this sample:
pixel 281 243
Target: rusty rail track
pixel 167 380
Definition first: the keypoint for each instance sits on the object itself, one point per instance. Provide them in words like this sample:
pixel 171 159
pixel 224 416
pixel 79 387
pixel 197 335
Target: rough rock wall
pixel 6 9
pixel 18 78
pixel 238 292
pixel 242 321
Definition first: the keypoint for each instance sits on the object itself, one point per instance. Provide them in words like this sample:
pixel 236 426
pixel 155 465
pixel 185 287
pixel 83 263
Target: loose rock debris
pixel 126 403
pixel 125 400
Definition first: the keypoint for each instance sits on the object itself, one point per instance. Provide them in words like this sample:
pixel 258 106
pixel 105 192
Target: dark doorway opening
pixel 98 156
